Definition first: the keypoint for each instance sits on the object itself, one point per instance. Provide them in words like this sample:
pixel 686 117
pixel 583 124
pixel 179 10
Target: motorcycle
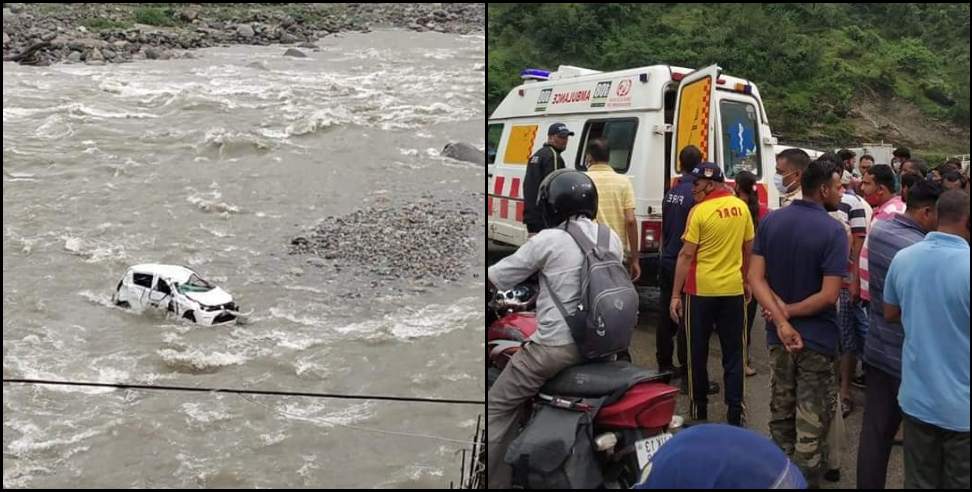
pixel 638 411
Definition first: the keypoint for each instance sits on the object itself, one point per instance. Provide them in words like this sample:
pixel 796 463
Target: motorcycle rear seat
pixel 598 379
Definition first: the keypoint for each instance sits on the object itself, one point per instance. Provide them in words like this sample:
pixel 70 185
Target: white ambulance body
pixel 647 114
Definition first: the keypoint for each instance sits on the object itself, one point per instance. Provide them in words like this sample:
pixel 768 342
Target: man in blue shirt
pixel 882 344
pixel 675 209
pixel 798 264
pixel 927 288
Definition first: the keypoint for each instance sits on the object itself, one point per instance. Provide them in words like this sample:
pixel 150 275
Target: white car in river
pixel 177 290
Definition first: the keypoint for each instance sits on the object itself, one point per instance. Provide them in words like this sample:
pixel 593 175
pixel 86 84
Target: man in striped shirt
pixel 850 212
pixel 879 191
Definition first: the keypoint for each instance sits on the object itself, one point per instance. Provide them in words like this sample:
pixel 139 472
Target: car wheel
pixel 190 316
pixel 123 304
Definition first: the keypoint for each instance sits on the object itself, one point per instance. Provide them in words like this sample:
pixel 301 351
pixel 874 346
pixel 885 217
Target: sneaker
pixel 859 382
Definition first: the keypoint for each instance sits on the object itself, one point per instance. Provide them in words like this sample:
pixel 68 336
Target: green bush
pixel 155 16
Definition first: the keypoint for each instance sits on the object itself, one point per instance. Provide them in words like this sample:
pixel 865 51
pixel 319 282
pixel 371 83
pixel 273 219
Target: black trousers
pixel 669 334
pixel 750 316
pixel 934 458
pixel 882 416
pixel 724 315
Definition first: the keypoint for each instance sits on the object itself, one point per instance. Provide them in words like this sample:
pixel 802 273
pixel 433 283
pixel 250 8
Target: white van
pixel 647 114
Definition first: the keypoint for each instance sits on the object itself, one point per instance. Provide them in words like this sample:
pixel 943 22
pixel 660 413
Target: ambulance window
pixel 620 135
pixel 492 141
pixel 740 138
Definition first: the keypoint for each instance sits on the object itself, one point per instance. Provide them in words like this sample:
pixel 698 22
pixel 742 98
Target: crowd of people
pixel 822 267
pixel 864 264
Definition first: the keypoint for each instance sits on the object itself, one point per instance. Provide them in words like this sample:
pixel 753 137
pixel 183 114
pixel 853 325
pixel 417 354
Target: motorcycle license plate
pixel 646 448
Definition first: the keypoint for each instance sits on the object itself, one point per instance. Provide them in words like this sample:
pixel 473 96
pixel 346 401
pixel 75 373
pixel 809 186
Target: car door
pixel 140 288
pixel 161 294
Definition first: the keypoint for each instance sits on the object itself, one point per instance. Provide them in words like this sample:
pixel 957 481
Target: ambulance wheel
pixel 190 316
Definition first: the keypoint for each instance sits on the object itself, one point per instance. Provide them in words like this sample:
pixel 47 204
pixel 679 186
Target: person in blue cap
pixel 720 456
pixel 543 162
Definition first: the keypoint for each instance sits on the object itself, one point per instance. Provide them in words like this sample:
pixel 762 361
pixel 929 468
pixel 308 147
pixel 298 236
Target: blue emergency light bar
pixel 535 74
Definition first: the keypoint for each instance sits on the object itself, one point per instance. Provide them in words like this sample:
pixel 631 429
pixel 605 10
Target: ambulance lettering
pixel 571 97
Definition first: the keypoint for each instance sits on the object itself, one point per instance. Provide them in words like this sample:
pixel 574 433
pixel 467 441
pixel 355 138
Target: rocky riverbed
pixel 41 34
pixel 427 240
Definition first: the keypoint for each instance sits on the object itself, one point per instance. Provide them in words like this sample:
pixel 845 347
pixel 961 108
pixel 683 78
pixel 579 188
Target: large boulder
pixel 157 54
pixel 288 38
pixel 244 31
pixel 295 53
pixel 190 14
pixel 79 44
pixel 464 152
pixel 95 57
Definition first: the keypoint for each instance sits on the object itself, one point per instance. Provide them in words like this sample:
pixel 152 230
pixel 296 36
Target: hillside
pixel 830 74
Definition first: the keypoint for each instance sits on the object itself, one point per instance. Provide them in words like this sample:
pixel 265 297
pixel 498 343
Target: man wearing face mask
pixel 715 252
pixel 882 344
pixel 879 191
pixel 799 262
pixel 790 165
pixel 543 162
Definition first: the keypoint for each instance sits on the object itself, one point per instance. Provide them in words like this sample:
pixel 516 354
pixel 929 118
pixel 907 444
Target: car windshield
pixel 195 284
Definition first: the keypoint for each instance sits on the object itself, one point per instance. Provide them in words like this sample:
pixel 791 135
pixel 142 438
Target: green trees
pixel 811 61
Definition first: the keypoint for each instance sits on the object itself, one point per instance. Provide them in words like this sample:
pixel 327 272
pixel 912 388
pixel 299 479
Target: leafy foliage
pixel 811 61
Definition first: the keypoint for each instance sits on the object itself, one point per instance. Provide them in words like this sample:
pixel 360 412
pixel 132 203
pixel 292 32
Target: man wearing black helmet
pixel 543 162
pixel 564 195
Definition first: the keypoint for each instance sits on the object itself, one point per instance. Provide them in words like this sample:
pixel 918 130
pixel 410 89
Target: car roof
pixel 169 272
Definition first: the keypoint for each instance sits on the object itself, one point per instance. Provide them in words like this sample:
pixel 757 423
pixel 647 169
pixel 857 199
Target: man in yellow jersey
pixel 715 252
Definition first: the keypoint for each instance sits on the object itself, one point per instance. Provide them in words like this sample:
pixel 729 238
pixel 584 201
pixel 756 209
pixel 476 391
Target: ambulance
pixel 647 115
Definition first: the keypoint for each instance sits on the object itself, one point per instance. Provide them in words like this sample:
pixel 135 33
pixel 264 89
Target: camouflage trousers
pixel 802 407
